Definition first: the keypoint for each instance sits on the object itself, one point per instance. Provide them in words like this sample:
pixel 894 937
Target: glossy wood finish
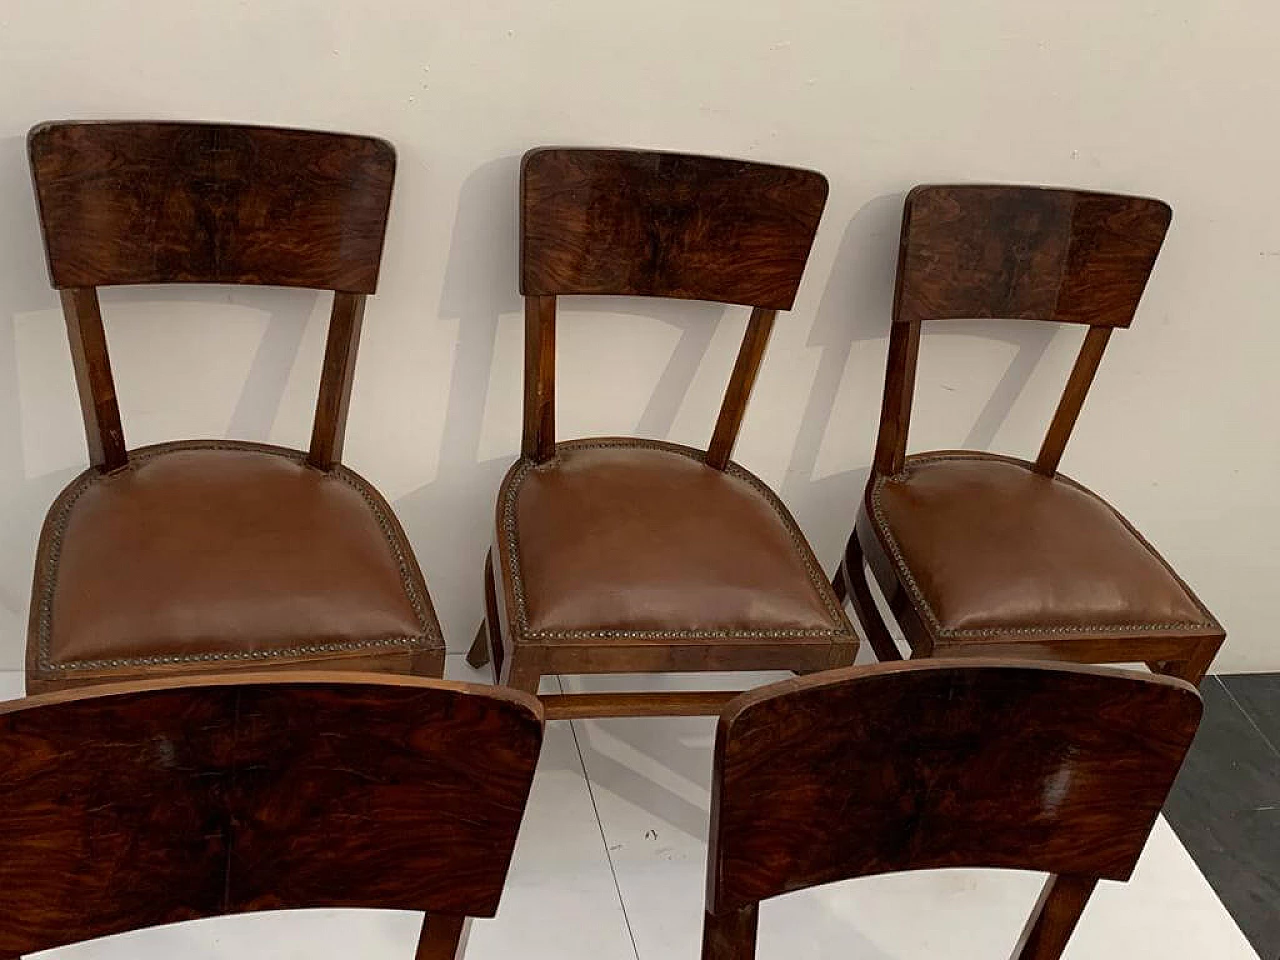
pixel 147 202
pixel 745 369
pixel 92 365
pixel 141 804
pixel 1009 252
pixel 539 438
pixel 329 429
pixel 159 202
pixel 1026 253
pixel 929 765
pixel 637 223
pixel 644 223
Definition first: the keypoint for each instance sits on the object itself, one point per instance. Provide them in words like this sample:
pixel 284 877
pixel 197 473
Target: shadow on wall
pixel 25 494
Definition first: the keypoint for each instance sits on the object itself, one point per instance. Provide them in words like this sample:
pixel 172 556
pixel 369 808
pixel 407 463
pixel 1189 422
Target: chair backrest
pixel 139 804
pixel 644 223
pixel 141 202
pixel 933 764
pixel 1016 253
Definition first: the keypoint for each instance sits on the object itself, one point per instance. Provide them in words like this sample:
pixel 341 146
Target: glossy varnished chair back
pixel 134 203
pixel 914 766
pixel 648 224
pixel 149 803
pixel 1016 253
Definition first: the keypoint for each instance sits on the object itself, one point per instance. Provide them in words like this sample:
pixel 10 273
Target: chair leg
pixel 482 649
pixel 1194 668
pixel 853 572
pixel 730 936
pixel 840 584
pixel 478 655
pixel 1054 919
pixel 521 671
pixel 444 937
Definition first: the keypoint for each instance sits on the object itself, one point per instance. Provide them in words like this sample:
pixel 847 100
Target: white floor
pixel 610 867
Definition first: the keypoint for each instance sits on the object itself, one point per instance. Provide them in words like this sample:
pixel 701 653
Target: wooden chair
pixel 217 555
pixel 617 555
pixel 918 766
pixel 987 555
pixel 137 804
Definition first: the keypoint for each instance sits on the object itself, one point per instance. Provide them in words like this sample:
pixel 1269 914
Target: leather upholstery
pixel 620 539
pixel 205 556
pixel 987 548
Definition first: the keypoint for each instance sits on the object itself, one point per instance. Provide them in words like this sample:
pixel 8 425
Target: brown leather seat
pixel 216 555
pixel 989 548
pixel 633 539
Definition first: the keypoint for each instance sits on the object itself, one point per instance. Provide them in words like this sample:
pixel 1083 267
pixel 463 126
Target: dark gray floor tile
pixel 1225 809
pixel 1258 695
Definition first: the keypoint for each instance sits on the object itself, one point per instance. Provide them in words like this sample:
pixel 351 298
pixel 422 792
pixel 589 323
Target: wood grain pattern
pixel 734 406
pixel 147 803
pixel 150 202
pixel 643 223
pixel 329 428
pixel 923 765
pixel 539 436
pixel 1029 253
pixel 91 363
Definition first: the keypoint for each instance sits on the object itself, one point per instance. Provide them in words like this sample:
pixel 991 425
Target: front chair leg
pixel 1058 910
pixel 444 937
pixel 853 572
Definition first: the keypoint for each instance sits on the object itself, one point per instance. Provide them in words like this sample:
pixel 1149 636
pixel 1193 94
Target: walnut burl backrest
pixel 140 804
pixel 652 224
pixel 914 766
pixel 1016 253
pixel 144 202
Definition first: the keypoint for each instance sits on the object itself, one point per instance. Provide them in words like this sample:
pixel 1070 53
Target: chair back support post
pixel 539 436
pixel 94 383
pixel 1073 395
pixel 738 393
pixel 329 429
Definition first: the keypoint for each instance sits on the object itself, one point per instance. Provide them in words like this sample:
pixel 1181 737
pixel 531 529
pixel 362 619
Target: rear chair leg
pixel 1055 917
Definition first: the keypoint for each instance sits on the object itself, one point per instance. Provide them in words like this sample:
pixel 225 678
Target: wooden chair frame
pixel 1069 257
pixel 561 254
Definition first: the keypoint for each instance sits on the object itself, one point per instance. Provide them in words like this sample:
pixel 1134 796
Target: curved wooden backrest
pixel 169 202
pixel 642 223
pixel 941 764
pixel 1026 253
pixel 140 804
pixel 1016 253
pixel 141 202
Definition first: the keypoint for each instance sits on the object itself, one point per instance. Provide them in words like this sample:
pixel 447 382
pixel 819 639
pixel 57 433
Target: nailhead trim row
pixel 904 573
pixel 428 638
pixel 517 581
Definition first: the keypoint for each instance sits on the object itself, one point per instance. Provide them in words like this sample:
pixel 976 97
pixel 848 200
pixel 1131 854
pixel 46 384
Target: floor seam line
pixel 604 840
pixel 1239 706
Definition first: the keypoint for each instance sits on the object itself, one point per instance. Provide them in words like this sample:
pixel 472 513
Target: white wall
pixel 1176 100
